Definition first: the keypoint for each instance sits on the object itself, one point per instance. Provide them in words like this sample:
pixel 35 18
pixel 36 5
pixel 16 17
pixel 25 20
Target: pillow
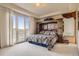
pixel 41 32
pixel 52 33
pixel 47 33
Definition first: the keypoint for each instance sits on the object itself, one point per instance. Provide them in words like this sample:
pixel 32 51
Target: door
pixel 20 29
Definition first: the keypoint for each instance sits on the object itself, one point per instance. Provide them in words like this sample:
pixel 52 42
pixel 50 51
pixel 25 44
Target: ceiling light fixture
pixel 38 4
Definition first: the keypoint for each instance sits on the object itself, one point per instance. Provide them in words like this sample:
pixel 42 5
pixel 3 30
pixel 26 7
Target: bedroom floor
pixel 27 49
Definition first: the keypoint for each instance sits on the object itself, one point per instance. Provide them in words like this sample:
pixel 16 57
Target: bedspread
pixel 48 40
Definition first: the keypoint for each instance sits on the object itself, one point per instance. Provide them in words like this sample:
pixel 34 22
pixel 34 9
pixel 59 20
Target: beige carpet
pixel 27 49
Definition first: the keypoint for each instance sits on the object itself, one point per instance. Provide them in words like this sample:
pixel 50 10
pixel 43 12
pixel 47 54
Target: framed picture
pixel 49 26
pixel 45 27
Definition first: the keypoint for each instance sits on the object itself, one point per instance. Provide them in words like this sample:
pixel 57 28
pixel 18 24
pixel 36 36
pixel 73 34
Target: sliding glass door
pixel 20 29
pixel 14 29
pixel 20 26
pixel 27 26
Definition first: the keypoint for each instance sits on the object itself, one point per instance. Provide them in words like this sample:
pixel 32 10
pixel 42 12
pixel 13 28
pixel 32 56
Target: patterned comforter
pixel 48 40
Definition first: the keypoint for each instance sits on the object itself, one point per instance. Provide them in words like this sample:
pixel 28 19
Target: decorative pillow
pixel 42 32
pixel 52 33
pixel 47 33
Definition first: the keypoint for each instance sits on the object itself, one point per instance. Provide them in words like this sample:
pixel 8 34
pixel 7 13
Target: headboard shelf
pixel 47 26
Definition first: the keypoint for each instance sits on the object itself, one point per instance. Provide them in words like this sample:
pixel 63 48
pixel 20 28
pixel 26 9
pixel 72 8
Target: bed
pixel 45 38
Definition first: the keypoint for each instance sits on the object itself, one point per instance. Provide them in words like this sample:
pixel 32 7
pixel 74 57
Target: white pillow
pixel 46 33
pixel 42 32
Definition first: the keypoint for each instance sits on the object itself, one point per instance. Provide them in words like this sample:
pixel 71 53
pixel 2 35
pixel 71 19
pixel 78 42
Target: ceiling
pixel 47 8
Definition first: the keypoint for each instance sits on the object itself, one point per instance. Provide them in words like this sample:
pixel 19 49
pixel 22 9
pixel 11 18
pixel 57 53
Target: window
pixel 27 24
pixel 20 27
pixel 68 27
pixel 14 28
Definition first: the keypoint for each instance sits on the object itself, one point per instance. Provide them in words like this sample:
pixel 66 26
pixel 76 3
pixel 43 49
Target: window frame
pixel 24 18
